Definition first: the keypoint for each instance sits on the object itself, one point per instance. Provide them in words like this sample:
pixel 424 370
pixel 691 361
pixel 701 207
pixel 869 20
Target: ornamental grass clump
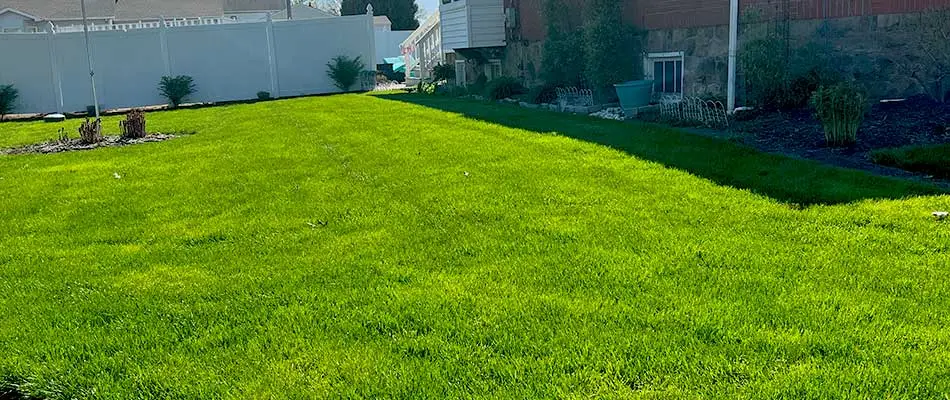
pixel 134 125
pixel 840 109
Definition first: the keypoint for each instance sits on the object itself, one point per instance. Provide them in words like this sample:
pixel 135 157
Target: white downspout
pixel 733 43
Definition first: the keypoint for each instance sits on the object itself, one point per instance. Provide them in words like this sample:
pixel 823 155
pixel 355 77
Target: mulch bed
pixel 78 145
pixel 915 121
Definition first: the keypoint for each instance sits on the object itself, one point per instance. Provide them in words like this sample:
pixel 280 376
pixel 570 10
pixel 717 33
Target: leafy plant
pixel 8 98
pixel 134 125
pixel 503 88
pixel 764 66
pixel 345 71
pixel 546 93
pixel 610 47
pixel 563 54
pixel 933 38
pixel 840 108
pixel 90 132
pixel 177 89
pixel 262 95
pixel 443 72
pixel 427 87
pixel 63 137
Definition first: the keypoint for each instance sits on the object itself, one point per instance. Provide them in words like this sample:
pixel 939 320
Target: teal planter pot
pixel 633 95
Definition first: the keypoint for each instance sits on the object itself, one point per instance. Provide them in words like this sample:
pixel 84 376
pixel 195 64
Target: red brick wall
pixel 669 14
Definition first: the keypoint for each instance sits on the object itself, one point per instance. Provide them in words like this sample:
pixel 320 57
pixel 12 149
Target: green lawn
pixel 363 247
pixel 934 160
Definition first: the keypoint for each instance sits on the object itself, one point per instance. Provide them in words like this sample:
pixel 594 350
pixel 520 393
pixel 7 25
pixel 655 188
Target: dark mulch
pixel 77 145
pixel 916 121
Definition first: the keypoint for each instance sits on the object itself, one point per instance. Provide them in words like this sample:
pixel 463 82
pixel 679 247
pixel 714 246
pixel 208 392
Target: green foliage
pixel 177 89
pixel 840 108
pixel 133 127
pixel 8 98
pixel 610 47
pixel 345 71
pixel 777 77
pixel 427 87
pixel 563 56
pixel 402 13
pixel 545 93
pixel 443 72
pixel 932 160
pixel 503 88
pixel 263 95
pixel 932 36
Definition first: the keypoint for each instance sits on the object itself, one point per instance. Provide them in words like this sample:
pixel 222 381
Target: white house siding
pixel 454 26
pixel 228 62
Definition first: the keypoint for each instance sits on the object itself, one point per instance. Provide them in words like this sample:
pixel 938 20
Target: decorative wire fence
pixel 693 110
pixel 572 96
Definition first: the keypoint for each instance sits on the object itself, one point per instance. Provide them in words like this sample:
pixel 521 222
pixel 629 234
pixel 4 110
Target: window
pixel 666 71
pixel 493 69
pixel 460 73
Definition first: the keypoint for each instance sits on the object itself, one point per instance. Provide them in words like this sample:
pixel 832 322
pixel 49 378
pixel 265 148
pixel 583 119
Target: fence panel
pixel 228 61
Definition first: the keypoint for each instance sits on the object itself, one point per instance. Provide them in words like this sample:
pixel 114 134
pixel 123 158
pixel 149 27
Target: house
pixel 39 15
pixel 686 42
pixel 474 36
pixel 423 50
pixel 258 10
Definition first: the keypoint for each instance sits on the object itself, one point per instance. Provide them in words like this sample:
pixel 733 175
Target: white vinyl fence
pixel 227 61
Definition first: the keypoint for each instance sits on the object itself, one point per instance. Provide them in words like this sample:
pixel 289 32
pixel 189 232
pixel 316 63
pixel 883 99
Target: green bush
pixel 542 94
pixel 262 95
pixel 345 71
pixel 563 55
pixel 925 159
pixel 503 88
pixel 177 89
pixel 443 72
pixel 427 87
pixel 840 108
pixel 610 47
pixel 765 68
pixel 8 97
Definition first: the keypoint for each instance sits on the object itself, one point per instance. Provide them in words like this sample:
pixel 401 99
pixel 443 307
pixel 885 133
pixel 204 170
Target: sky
pixel 428 5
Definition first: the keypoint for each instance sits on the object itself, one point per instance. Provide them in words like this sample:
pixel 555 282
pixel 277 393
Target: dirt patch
pixel 58 146
pixel 915 121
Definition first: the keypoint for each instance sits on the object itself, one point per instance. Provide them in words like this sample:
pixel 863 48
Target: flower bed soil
pixel 916 121
pixel 78 145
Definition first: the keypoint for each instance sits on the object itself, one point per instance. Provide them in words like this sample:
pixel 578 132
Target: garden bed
pixel 914 122
pixel 57 146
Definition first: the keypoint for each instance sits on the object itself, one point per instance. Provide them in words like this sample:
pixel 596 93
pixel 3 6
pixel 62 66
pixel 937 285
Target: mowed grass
pixel 355 246
pixel 933 159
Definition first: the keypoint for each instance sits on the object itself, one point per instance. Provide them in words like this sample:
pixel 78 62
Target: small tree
pixel 563 55
pixel 610 46
pixel 8 97
pixel 345 71
pixel 177 89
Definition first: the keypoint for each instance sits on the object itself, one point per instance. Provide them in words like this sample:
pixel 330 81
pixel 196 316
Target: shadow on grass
pixel 782 178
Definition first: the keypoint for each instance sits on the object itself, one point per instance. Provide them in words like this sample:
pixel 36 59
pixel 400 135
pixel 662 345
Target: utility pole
pixel 92 73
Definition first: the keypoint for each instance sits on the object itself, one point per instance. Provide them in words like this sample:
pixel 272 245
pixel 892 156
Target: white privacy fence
pixel 227 61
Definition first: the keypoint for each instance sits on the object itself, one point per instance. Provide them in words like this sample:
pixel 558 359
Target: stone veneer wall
pixel 878 51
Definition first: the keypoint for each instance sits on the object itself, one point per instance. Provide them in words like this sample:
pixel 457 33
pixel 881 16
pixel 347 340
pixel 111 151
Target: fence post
pixel 163 39
pixel 56 79
pixel 272 57
pixel 372 36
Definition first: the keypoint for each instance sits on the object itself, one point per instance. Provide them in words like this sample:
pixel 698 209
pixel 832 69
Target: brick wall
pixel 672 14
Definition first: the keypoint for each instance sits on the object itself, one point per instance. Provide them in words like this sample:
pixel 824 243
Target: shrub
pixel 925 159
pixel 345 71
pixel 503 88
pixel 134 125
pixel 563 55
pixel 427 87
pixel 90 132
pixel 177 89
pixel 609 47
pixel 443 72
pixel 765 69
pixel 8 97
pixel 840 108
pixel 262 95
pixel 542 94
